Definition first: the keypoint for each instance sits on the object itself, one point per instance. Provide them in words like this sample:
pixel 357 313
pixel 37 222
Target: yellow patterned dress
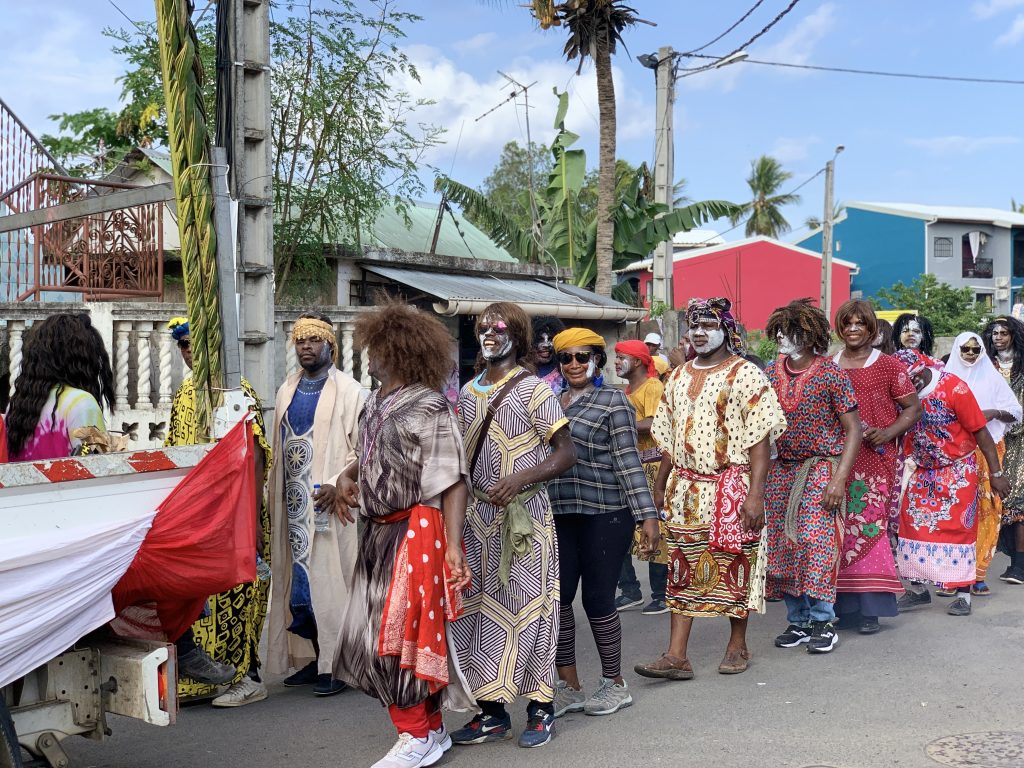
pixel 231 633
pixel 707 422
pixel 645 399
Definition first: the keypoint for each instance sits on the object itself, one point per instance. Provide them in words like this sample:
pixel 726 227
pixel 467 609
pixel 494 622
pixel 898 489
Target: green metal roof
pixel 390 230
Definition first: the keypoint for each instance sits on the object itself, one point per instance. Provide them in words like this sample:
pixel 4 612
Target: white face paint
pixel 788 347
pixel 591 368
pixel 623 366
pixel 911 336
pixel 495 342
pixel 706 342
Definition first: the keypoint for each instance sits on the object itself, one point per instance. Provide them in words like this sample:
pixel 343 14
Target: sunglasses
pixel 498 327
pixel 970 350
pixel 581 357
pixel 184 344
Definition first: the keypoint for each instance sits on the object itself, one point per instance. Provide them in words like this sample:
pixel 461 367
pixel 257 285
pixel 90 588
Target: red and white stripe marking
pixel 101 465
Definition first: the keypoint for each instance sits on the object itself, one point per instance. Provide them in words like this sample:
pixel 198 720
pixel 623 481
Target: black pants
pixel 629 584
pixel 590 552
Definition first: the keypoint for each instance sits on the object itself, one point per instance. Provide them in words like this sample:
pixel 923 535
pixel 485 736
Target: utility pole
pixel 664 160
pixel 826 238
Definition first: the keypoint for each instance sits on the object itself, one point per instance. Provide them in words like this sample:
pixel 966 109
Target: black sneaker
pixel 199 666
pixel 911 600
pixel 625 602
pixel 305 676
pixel 482 729
pixel 655 607
pixel 869 625
pixel 959 607
pixel 823 637
pixel 328 686
pixel 1014 576
pixel 1007 572
pixel 793 636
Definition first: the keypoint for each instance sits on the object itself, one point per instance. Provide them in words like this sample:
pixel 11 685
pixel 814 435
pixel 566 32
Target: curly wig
pixel 802 322
pixel 548 324
pixel 62 350
pixel 408 342
pixel 927 337
pixel 520 330
pixel 884 338
pixel 856 308
pixel 1016 329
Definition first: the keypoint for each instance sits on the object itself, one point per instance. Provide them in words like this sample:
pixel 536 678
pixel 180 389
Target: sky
pixel 914 141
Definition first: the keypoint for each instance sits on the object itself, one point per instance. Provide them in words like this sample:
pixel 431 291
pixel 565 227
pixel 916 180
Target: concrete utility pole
pixel 826 238
pixel 664 172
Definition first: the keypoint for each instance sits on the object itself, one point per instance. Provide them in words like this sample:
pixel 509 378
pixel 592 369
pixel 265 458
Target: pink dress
pixel 65 409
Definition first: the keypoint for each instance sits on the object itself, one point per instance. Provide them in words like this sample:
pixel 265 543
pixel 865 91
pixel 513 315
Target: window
pixel 974 259
pixel 942 247
pixel 1018 254
pixel 985 299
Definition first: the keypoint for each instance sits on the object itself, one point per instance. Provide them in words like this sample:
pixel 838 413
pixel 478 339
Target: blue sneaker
pixel 482 729
pixel 538 731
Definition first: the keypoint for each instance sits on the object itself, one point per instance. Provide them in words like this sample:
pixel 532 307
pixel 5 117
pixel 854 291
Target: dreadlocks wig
pixel 1016 329
pixel 802 322
pixel 927 337
pixel 720 309
pixel 62 350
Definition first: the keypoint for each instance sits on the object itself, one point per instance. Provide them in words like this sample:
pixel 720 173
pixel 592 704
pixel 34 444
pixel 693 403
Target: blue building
pixel 979 248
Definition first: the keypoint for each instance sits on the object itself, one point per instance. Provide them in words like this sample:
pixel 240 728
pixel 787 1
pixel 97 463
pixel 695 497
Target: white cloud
pixel 795 47
pixel 986 9
pixel 792 149
pixel 1014 34
pixel 961 145
pixel 475 43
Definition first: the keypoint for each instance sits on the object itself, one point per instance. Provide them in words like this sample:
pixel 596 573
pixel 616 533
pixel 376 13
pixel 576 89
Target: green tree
pixel 951 310
pixel 762 212
pixel 1016 207
pixel 507 187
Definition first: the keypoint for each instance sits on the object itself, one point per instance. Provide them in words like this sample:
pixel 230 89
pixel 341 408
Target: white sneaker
pixel 245 691
pixel 442 738
pixel 609 698
pixel 410 752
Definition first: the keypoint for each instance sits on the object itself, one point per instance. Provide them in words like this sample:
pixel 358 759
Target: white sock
pixel 965 595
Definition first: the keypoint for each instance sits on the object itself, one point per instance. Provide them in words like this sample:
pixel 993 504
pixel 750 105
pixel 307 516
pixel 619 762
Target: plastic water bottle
pixel 321 516
pixel 262 568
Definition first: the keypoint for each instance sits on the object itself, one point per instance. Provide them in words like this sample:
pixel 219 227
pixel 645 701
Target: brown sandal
pixel 734 663
pixel 666 668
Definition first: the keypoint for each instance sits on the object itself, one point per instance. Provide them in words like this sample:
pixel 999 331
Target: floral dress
pixel 812 401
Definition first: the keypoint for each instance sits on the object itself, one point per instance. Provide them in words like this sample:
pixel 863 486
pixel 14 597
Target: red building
pixel 758 274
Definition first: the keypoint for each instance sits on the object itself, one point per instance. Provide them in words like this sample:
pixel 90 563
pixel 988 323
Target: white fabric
pixel 974 238
pixel 986 383
pixel 56 586
pixel 872 358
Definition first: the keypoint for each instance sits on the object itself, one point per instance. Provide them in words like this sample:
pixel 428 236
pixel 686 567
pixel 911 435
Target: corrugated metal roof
pixel 994 216
pixel 162 160
pixel 390 230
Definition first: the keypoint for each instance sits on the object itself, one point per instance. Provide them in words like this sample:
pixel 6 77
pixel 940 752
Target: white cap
pixel 653 338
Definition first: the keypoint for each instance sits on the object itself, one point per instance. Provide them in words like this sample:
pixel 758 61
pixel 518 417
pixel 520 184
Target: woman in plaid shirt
pixel 596 504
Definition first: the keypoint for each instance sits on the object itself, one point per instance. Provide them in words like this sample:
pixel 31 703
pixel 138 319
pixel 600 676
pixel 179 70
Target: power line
pixel 872 72
pixel 134 23
pixel 742 18
pixel 747 44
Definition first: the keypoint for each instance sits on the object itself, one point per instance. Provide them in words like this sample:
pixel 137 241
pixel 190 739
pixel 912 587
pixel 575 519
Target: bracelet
pixel 996 474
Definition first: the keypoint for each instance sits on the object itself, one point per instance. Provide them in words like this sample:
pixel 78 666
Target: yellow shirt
pixel 645 399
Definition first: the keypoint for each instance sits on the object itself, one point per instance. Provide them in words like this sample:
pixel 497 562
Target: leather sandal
pixel 734 663
pixel 666 668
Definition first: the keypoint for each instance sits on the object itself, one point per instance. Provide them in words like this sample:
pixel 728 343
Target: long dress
pixel 411 453
pixel 1013 461
pixel 507 636
pixel 939 513
pixel 231 631
pixel 868 582
pixel 707 422
pixel 645 399
pixel 66 409
pixel 812 400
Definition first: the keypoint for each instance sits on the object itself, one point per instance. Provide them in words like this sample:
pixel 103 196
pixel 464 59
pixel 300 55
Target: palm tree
pixel 595 28
pixel 762 212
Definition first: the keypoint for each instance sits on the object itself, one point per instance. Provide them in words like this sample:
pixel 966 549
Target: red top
pixel 3 441
pixel 946 430
pixel 878 387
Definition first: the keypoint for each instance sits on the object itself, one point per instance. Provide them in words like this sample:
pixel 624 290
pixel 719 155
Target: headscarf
pixel 720 308
pixel 178 326
pixel 312 328
pixel 638 349
pixel 986 384
pixel 577 337
pixel 661 365
pixel 914 361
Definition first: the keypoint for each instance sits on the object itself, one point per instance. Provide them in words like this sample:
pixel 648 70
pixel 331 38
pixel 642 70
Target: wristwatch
pixel 996 474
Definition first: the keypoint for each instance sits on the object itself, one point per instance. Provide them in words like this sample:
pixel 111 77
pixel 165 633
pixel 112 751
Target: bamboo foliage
pixel 188 140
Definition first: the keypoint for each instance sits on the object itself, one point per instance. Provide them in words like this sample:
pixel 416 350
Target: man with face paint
pixel 807 483
pixel 633 362
pixel 714 427
pixel 545 329
pixel 507 636
pixel 314 546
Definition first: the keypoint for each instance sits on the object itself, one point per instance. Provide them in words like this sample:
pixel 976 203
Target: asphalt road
pixel 875 701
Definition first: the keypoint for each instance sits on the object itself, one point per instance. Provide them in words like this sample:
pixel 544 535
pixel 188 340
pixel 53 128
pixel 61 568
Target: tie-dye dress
pixel 65 410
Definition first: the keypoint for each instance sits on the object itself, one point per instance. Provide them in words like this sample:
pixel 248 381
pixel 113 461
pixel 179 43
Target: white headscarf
pixel 986 383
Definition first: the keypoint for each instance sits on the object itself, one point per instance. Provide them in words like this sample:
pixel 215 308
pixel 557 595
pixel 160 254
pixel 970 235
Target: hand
pixel 659 501
pixel 834 494
pixel 349 491
pixel 506 489
pixel 676 357
pixel 329 498
pixel 461 576
pixel 878 437
pixel 650 536
pixel 1000 486
pixel 752 514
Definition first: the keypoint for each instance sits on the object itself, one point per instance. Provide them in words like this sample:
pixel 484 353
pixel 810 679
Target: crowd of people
pixel 430 555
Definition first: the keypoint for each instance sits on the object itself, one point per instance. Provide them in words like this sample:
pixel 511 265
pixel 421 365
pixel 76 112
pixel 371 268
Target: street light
pixel 664 65
pixel 826 237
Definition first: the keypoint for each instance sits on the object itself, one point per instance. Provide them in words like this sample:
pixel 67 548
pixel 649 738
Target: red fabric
pixel 419 600
pixel 636 348
pixel 726 533
pixel 3 441
pixel 202 542
pixel 414 720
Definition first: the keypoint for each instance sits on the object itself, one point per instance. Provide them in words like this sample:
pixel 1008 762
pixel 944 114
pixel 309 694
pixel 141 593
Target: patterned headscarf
pixel 719 308
pixel 178 326
pixel 912 359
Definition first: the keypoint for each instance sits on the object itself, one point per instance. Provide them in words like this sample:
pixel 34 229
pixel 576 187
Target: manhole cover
pixel 992 749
